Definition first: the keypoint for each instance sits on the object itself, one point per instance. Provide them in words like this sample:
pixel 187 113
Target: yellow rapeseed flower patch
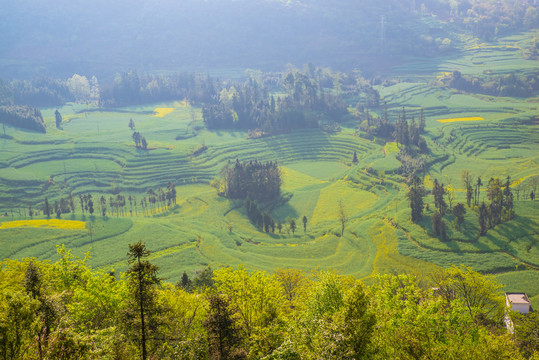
pixel 391 147
pixel 160 112
pixel 475 118
pixel 48 224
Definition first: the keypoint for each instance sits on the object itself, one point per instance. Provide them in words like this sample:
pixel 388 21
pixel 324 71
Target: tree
pixel 142 284
pixel 438 192
pixel 144 143
pixel 479 293
pixel 224 335
pixel 466 179
pixel 47 208
pixel 477 190
pixel 495 195
pixel 354 158
pixel 459 211
pixel 304 224
pixel 293 225
pixel 131 124
pixel 436 219
pixel 32 284
pixel 185 282
pixel 450 191
pixel 482 218
pixel 415 195
pixel 58 117
pixel 343 217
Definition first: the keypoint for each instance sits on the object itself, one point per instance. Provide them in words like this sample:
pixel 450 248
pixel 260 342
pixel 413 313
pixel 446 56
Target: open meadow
pixel 93 153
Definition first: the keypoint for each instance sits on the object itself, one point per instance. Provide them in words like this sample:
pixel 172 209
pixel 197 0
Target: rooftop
pixel 518 298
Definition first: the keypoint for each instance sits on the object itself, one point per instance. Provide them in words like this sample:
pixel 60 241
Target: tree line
pixel 21 116
pixel 114 205
pixel 495 85
pixel 67 310
pixel 312 97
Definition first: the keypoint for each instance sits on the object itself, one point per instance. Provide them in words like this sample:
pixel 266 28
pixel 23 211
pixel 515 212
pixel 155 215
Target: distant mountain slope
pixel 101 37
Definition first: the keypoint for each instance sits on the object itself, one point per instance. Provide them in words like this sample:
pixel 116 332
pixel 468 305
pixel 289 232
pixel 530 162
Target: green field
pixel 94 153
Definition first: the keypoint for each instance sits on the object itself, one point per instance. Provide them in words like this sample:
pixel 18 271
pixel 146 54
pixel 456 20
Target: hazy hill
pixel 102 37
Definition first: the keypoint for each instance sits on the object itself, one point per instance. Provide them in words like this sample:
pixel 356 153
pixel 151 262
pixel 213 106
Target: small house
pixel 518 302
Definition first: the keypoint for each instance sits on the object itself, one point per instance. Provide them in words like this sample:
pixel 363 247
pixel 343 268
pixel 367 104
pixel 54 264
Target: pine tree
pixel 304 224
pixel 141 316
pixel 58 118
pixel 415 195
pixel 224 334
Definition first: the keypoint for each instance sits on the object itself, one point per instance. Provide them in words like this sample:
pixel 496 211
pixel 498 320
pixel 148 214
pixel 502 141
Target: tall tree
pixel 47 208
pixel 304 219
pixel 483 218
pixel 143 308
pixel 224 334
pixel 466 179
pixel 478 190
pixel 415 195
pixel 438 191
pixel 58 118
pixel 459 211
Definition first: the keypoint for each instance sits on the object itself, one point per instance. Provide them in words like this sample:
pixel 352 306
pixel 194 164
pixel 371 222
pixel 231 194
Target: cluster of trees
pixel 495 85
pixel 66 310
pixel 130 88
pixel 311 94
pixel 22 116
pixel 255 180
pixel 140 141
pixel 263 219
pixel 499 210
pixel 46 92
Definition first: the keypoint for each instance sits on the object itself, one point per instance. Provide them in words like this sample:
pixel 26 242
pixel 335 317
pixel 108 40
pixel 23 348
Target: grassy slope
pixel 94 153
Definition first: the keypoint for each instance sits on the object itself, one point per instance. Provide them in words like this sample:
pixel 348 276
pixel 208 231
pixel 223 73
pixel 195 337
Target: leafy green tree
pixel 527 332
pixel 304 219
pixel 131 124
pixel 203 279
pixel 142 311
pixel 354 158
pixel 480 294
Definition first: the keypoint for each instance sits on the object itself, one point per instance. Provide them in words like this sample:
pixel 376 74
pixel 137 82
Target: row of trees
pixel 66 310
pixel 114 205
pixel 496 85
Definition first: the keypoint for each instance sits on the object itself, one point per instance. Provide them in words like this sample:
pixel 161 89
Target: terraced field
pixel 94 153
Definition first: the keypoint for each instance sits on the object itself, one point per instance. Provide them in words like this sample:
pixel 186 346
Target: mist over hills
pixel 102 37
